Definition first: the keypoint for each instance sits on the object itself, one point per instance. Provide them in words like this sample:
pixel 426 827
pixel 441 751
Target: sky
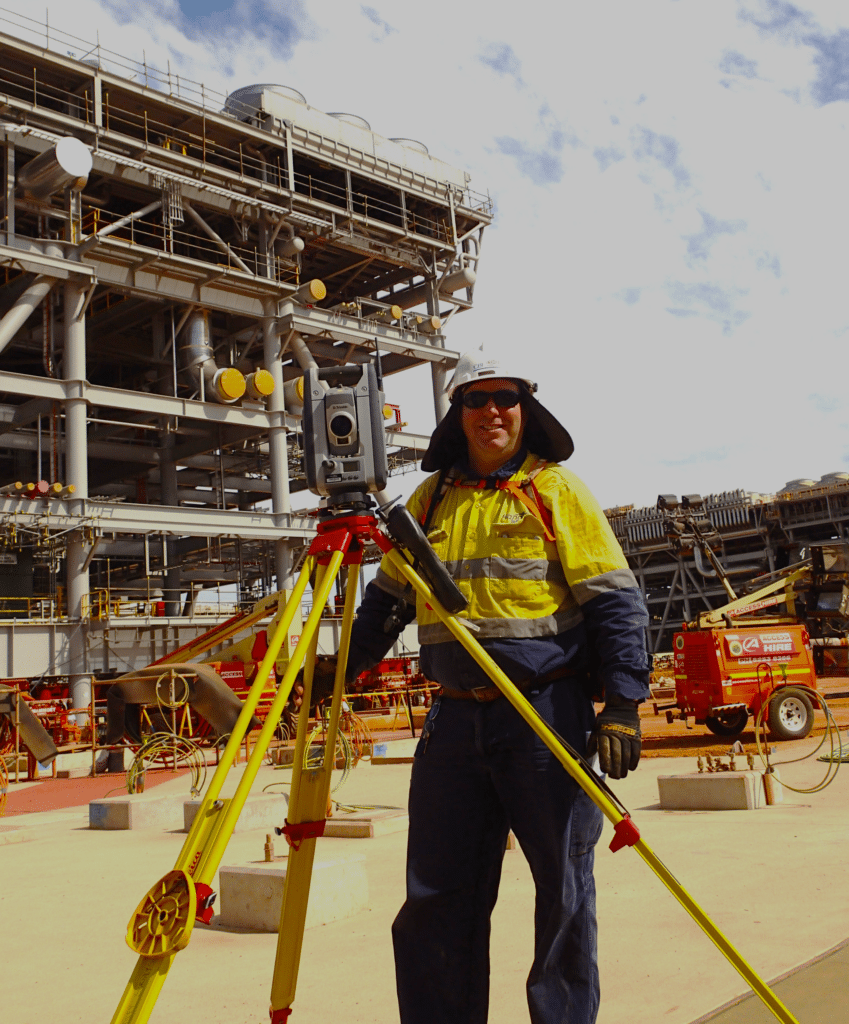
pixel 669 252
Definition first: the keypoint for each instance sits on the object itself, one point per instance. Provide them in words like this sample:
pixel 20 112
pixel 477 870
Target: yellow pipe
pixel 597 795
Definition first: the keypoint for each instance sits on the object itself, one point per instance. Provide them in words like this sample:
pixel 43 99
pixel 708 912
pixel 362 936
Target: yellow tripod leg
pixel 594 792
pixel 214 822
pixel 308 803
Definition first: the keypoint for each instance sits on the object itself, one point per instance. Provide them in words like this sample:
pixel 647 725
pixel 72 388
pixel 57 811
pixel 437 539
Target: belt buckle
pixel 476 695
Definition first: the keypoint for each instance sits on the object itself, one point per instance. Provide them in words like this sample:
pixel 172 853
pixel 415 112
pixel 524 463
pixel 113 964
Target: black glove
pixel 616 737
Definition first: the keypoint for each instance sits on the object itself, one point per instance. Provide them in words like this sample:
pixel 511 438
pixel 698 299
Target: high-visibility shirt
pixel 538 604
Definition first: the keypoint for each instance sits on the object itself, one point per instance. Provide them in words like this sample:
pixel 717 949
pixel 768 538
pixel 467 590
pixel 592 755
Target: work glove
pixel 323 678
pixel 616 737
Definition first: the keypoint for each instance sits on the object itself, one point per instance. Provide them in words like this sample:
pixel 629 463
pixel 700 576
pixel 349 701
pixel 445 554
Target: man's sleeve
pixel 602 583
pixel 381 618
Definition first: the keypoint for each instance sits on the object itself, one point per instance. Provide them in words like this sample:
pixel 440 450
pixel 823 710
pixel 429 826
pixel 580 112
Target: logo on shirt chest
pixel 510 518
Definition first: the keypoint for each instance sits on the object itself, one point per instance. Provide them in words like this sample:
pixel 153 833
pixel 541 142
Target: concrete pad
pixel 394 752
pixel 251 895
pixel 264 810
pixel 367 824
pixel 715 791
pixel 136 810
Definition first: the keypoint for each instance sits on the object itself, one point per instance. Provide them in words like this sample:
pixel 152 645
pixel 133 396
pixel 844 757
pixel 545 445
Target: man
pixel 552 600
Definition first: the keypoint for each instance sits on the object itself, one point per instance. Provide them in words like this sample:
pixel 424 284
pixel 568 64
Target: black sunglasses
pixel 505 398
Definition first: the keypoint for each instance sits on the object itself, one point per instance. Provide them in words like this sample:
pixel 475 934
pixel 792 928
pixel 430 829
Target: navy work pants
pixel 480 771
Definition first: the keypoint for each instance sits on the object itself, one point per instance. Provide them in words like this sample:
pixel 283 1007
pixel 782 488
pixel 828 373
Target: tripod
pixel 162 923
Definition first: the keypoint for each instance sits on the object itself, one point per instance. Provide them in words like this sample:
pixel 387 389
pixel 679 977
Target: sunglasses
pixel 506 398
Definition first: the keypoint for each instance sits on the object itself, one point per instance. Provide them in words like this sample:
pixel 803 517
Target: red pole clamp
pixel 625 833
pixel 280 1016
pixel 205 899
pixel 296 833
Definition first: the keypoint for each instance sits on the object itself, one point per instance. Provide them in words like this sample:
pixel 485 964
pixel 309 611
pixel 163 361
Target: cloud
pixel 221 23
pixel 832 62
pixel 769 261
pixel 734 63
pixel 503 60
pixel 706 455
pixel 375 18
pixel 630 296
pixel 543 166
pixel 709 300
pixel 827 403
pixel 649 145
pixel 608 156
pixel 699 245
pixel 777 17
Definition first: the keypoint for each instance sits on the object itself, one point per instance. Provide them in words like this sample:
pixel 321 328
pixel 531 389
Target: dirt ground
pixel 660 739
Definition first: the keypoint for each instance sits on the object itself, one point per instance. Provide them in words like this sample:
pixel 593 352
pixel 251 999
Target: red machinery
pixel 723 675
pixel 729 664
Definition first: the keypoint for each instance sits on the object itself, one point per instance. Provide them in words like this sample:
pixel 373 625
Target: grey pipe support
pixel 277 448
pixel 76 465
pixel 27 302
pixel 90 243
pixel 219 241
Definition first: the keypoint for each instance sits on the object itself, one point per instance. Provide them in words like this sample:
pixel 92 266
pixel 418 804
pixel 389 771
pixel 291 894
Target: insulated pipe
pixel 65 165
pixel 228 384
pixel 76 465
pixel 278 456
pixel 460 279
pixel 219 241
pixel 28 301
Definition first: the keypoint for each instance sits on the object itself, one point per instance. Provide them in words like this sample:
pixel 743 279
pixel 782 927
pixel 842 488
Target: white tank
pixel 286 104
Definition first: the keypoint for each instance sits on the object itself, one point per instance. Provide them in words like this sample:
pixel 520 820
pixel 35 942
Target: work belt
pixel 484 694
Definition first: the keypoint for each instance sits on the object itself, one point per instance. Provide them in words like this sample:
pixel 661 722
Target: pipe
pixel 455 282
pixel 91 242
pixel 23 309
pixel 228 384
pixel 219 241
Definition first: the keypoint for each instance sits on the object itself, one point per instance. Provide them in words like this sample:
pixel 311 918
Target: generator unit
pixel 723 675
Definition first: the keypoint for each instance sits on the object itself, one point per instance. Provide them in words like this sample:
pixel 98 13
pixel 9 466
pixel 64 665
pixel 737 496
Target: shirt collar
pixel 504 472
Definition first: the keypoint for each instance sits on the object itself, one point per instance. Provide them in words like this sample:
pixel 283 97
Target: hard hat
pixel 544 434
pixel 474 366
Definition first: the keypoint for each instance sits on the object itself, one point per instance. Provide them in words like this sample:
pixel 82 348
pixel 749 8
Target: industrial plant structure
pixel 170 263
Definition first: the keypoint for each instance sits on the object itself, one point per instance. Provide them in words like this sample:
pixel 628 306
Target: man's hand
pixel 616 737
pixel 323 678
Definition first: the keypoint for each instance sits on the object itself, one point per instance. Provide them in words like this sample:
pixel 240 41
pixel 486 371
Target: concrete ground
pixel 774 880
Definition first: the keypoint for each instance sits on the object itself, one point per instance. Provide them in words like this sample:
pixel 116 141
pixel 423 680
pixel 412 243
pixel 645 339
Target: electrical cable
pixel 162 746
pixel 831 733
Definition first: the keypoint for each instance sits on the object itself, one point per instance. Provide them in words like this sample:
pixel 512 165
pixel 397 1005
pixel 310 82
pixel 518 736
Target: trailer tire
pixel 790 715
pixel 730 724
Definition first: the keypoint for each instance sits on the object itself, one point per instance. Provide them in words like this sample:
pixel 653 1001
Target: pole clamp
pixel 280 1016
pixel 299 831
pixel 205 900
pixel 625 833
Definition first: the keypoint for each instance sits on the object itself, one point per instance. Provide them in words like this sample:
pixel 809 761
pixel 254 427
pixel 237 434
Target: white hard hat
pixel 544 434
pixel 475 366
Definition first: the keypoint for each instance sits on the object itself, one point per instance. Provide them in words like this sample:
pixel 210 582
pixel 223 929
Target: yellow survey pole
pixel 593 791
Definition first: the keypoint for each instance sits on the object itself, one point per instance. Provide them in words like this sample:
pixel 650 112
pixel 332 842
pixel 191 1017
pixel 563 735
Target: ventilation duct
pixel 66 165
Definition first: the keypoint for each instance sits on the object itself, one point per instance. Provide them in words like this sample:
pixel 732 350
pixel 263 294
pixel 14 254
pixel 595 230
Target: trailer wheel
pixel 790 715
pixel 732 723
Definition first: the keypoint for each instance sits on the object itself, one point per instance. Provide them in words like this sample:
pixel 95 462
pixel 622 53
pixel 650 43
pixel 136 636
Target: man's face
pixel 494 432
